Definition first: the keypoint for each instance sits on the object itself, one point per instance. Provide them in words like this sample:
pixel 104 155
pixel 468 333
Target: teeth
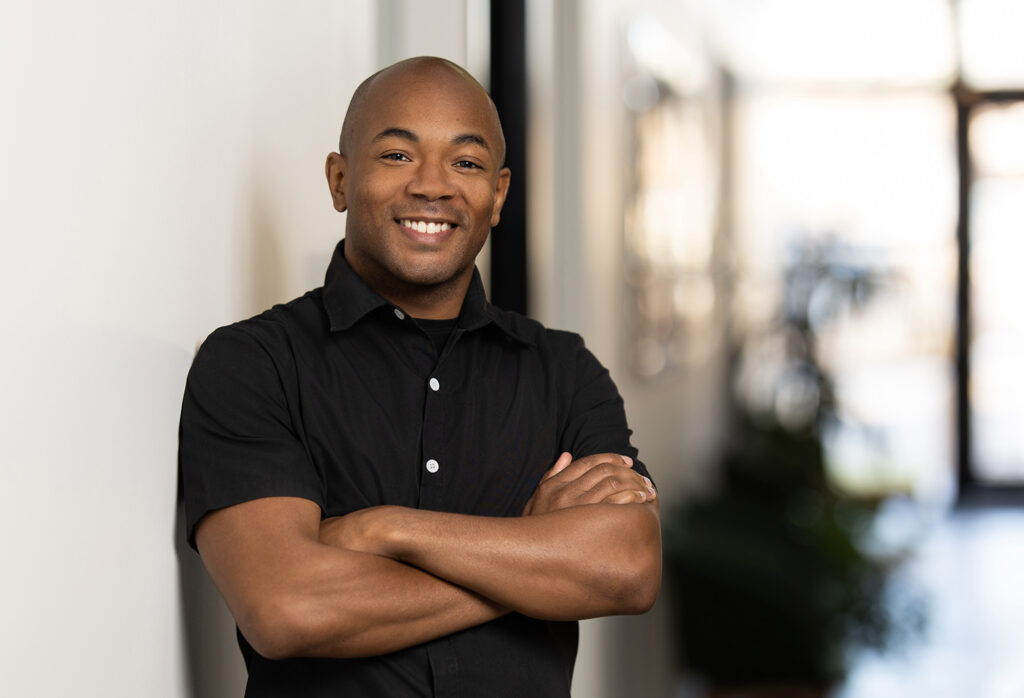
pixel 425 227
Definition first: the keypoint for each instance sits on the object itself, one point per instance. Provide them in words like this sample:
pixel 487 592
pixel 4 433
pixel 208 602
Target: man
pixel 399 489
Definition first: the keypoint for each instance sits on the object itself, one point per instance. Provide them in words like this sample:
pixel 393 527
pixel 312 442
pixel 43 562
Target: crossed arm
pixel 385 578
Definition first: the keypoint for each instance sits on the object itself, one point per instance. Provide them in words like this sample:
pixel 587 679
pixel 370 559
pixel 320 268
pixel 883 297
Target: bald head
pixel 448 80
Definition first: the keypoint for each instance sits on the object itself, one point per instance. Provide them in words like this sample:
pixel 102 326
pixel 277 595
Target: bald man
pixel 398 488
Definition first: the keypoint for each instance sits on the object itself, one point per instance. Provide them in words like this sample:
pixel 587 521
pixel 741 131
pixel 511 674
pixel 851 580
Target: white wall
pixel 162 175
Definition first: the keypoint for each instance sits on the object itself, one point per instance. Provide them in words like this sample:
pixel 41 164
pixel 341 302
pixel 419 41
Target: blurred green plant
pixel 771 574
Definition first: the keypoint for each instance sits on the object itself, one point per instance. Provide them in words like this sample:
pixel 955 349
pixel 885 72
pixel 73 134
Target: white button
pixel 434 385
pixel 399 314
pixel 432 466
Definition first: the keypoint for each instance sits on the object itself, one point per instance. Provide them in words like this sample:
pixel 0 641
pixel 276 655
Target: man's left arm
pixel 590 546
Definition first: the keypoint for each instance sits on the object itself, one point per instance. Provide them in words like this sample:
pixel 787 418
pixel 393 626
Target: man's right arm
pixel 293 596
pixel 251 494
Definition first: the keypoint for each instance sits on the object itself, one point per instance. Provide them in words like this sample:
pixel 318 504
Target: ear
pixel 335 170
pixel 500 192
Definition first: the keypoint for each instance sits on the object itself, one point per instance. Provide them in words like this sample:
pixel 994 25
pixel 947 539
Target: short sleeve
pixel 239 437
pixel 597 417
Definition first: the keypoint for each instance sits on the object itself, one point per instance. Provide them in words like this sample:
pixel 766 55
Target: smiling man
pixel 399 489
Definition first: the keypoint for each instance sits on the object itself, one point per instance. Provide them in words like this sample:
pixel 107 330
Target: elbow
pixel 645 593
pixel 637 581
pixel 288 626
pixel 274 630
pixel 637 587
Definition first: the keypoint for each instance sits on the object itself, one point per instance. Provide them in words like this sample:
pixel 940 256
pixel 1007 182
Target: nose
pixel 432 181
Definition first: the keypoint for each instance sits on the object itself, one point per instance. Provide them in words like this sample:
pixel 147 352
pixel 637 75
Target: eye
pixel 395 157
pixel 467 164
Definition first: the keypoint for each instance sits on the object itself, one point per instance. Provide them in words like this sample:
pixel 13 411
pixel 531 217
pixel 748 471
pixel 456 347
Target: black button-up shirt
pixel 342 398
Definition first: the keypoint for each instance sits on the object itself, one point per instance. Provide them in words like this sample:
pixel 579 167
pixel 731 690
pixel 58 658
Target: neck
pixel 441 307
pixel 438 302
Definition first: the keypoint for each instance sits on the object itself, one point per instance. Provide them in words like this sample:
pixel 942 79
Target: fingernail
pixel 629 461
pixel 648 481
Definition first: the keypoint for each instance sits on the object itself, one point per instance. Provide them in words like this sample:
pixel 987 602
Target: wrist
pixel 391 530
pixel 411 533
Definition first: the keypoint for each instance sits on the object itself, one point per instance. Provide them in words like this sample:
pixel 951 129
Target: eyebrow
pixel 406 134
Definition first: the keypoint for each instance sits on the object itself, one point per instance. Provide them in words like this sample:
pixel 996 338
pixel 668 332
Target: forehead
pixel 431 103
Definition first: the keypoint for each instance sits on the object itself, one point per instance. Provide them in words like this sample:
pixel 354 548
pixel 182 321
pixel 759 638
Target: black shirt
pixel 341 398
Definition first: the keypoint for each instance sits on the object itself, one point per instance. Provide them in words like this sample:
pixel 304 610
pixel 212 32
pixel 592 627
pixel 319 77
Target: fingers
pixel 632 495
pixel 582 466
pixel 561 464
pixel 605 480
pixel 625 497
pixel 602 477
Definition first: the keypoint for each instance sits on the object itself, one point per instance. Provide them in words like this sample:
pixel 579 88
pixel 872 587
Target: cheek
pixel 372 194
pixel 483 205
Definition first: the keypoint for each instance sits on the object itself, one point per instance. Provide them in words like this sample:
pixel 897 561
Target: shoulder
pixel 264 340
pixel 531 332
pixel 563 353
pixel 273 328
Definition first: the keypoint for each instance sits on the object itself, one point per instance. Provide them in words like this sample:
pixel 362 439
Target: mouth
pixel 424 226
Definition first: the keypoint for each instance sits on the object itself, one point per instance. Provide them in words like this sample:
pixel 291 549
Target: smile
pixel 428 227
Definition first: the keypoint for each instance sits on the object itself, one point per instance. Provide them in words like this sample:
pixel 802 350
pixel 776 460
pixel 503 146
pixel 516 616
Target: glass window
pixel 910 42
pixel 997 248
pixel 855 197
pixel 992 56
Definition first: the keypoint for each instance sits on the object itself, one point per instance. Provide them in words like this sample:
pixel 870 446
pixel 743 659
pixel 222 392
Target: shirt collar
pixel 348 299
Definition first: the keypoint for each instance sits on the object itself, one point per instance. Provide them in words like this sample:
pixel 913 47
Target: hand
pixel 363 530
pixel 604 478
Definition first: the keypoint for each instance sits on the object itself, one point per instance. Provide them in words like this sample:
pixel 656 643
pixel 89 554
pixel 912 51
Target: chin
pixel 431 272
pixel 427 278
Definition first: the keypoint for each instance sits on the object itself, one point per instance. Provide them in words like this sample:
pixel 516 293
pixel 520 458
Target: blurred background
pixel 790 228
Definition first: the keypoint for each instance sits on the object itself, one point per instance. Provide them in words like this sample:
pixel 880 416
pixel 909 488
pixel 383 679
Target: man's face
pixel 421 179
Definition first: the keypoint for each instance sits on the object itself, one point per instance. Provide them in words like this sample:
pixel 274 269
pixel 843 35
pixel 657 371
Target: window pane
pixel 910 42
pixel 997 243
pixel 858 192
pixel 990 43
pixel 997 372
pixel 997 141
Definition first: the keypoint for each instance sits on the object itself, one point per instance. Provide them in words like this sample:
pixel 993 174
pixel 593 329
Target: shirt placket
pixel 443 656
pixel 436 469
pixel 434 463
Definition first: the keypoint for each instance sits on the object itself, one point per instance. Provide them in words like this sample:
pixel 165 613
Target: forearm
pixel 311 599
pixel 579 562
pixel 356 605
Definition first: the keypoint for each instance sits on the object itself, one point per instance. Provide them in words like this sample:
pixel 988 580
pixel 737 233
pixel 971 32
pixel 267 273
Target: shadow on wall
pixel 214 661
pixel 266 281
pixel 214 665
